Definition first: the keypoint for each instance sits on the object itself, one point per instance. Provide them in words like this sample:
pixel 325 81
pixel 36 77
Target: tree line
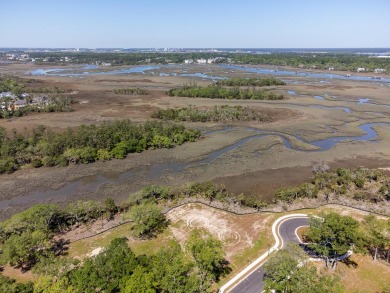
pixel 357 184
pixel 223 113
pixel 267 81
pixel 123 58
pixel 340 61
pixel 192 90
pixel 86 144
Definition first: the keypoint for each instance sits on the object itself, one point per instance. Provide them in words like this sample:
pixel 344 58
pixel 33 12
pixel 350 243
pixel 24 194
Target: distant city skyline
pixel 195 24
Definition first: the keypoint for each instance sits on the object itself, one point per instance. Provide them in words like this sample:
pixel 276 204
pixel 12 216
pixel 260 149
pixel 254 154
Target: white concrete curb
pixel 256 264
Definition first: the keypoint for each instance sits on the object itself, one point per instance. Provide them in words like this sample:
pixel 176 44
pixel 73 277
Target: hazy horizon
pixel 195 24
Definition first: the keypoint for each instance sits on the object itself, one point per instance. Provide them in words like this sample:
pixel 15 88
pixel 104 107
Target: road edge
pixel 260 260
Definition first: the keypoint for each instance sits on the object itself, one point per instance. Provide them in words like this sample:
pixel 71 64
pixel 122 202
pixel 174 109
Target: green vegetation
pixel 207 190
pixel 192 90
pixel 208 255
pixel 10 286
pixel 131 91
pixel 340 61
pixel 267 81
pixel 361 184
pixel 376 237
pixel 118 269
pixel 87 143
pixel 9 84
pixel 288 271
pixel 223 113
pixel 332 235
pixel 148 219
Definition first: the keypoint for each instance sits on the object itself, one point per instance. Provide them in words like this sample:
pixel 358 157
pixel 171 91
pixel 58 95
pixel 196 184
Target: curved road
pixel 253 283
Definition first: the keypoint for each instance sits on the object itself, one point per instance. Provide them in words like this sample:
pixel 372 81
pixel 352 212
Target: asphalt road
pixel 253 283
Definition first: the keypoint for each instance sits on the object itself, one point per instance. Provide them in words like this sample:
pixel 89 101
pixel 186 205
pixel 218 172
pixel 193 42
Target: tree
pixel 174 275
pixel 11 286
pixel 105 272
pixel 148 219
pixel 288 271
pixel 208 254
pixel 140 281
pixel 332 235
pixel 376 235
pixel 110 207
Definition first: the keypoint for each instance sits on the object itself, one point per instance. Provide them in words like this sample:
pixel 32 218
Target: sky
pixel 195 23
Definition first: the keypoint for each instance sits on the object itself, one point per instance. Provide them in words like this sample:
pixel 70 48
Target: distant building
pixel 331 68
pixel 201 61
pixel 380 70
pixel 18 104
pixel 188 61
pixel 7 95
pixel 361 69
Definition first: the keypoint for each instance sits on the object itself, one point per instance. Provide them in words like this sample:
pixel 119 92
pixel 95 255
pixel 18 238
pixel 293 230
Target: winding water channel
pixel 286 72
pixel 90 69
pixel 92 183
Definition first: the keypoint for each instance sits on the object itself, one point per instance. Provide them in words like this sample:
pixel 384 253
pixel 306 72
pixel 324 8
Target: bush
pixel 7 165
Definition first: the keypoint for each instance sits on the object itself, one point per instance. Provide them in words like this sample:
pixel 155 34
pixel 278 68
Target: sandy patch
pixel 236 232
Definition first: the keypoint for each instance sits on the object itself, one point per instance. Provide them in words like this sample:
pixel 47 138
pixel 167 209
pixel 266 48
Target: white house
pixel 188 61
pixel 361 69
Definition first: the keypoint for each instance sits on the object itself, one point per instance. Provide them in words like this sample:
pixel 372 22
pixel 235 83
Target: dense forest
pixel 192 90
pixel 267 81
pixel 223 113
pixel 87 143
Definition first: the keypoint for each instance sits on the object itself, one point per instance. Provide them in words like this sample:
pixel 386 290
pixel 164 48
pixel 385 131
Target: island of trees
pixel 223 113
pixel 268 81
pixel 193 90
pixel 86 144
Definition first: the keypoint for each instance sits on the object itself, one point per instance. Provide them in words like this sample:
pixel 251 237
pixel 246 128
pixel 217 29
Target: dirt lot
pixel 257 167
